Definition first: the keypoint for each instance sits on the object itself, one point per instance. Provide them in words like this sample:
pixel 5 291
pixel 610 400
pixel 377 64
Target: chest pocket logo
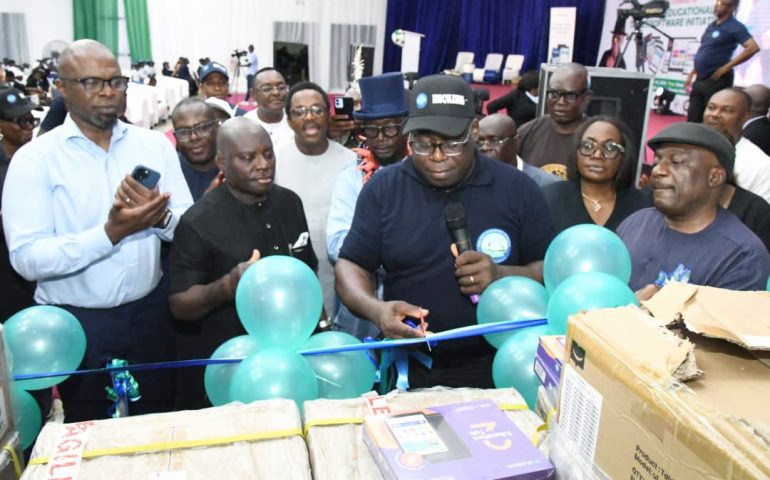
pixel 495 243
pixel 715 34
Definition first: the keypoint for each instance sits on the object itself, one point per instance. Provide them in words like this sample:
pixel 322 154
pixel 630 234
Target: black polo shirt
pixel 399 223
pixel 217 233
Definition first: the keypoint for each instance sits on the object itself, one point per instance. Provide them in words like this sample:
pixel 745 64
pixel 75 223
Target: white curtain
pixel 342 37
pixel 201 28
pixel 13 37
pixel 44 21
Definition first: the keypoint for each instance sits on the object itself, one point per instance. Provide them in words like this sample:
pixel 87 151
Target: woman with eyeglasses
pixel 600 173
pixel 16 121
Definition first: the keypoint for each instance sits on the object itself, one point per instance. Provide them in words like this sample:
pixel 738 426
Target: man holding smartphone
pixel 89 234
pixel 381 120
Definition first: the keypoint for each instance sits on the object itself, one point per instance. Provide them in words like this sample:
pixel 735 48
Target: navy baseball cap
pixel 14 104
pixel 213 67
pixel 442 104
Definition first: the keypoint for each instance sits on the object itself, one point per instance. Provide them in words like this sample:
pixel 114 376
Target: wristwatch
pixel 166 220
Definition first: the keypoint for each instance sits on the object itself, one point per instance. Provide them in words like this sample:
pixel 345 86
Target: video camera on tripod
pixel 238 53
pixel 651 9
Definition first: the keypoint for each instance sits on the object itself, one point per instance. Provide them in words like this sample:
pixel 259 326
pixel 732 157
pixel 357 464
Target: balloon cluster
pixel 278 300
pixel 39 339
pixel 586 267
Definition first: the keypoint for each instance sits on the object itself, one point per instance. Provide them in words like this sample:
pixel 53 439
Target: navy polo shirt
pixel 718 44
pixel 399 223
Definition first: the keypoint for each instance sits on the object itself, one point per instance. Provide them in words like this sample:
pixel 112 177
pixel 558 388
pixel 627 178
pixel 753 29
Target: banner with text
pixel 666 46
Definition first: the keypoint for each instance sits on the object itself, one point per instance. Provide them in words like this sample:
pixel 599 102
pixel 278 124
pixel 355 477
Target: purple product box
pixel 472 440
pixel 548 363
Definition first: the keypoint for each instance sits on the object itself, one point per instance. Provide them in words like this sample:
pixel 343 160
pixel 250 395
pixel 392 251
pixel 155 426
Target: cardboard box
pixel 335 434
pixel 6 416
pixel 548 363
pixel 624 405
pixel 457 441
pixel 260 440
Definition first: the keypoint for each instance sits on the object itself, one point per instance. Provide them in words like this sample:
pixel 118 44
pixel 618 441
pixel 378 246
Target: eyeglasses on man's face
pixel 389 131
pixel 302 111
pixel 449 148
pixel 96 84
pixel 267 89
pixel 569 97
pixel 494 142
pixel 200 130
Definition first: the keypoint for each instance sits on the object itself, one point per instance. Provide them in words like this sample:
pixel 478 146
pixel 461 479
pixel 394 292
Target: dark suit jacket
pixel 517 104
pixel 758 132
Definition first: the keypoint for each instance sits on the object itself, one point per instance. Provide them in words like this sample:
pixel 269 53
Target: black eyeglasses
pixel 494 141
pixel 266 89
pixel 300 112
pixel 569 97
pixel 610 149
pixel 96 84
pixel 449 148
pixel 390 130
pixel 26 122
pixel 201 130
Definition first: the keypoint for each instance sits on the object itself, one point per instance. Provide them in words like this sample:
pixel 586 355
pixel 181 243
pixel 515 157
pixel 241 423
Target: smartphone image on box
pixel 427 435
pixel 145 176
pixel 343 106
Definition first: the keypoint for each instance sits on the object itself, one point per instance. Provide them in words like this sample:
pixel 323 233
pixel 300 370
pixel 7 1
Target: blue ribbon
pixel 463 332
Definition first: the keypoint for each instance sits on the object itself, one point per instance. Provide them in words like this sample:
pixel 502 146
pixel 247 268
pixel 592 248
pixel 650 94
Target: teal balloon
pixel 768 284
pixel 26 415
pixel 278 300
pixel 586 291
pixel 340 375
pixel 43 339
pixel 514 363
pixel 585 248
pixel 511 298
pixel 274 373
pixel 217 378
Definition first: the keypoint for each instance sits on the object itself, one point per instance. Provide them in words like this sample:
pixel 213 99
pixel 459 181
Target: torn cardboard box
pixel 260 440
pixel 622 403
pixel 738 317
pixel 335 435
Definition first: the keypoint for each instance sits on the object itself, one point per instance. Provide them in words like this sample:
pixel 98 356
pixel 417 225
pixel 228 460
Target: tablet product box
pixel 548 363
pixel 643 402
pixel 456 441
pixel 260 440
pixel 335 434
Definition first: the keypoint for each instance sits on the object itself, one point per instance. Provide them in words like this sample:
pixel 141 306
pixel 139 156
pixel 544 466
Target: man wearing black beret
pixel 687 236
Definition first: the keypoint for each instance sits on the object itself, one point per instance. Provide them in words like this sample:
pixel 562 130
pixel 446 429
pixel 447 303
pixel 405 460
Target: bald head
pixel 573 73
pixel 79 51
pixel 235 129
pixel 497 137
pixel 245 154
pixel 760 99
pixel 93 87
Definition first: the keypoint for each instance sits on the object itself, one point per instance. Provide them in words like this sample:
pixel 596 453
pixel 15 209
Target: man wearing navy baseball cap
pixel 400 224
pixel 215 81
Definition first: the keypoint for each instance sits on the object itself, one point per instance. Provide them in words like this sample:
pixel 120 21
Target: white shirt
pixel 312 178
pixel 58 193
pixel 280 132
pixel 752 168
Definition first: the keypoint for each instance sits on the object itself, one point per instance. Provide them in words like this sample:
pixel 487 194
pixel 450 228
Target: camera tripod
pixel 636 35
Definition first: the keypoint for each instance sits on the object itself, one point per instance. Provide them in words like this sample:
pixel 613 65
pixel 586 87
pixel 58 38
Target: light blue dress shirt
pixel 58 193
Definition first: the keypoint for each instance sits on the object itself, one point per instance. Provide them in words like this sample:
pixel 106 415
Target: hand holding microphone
pixel 474 270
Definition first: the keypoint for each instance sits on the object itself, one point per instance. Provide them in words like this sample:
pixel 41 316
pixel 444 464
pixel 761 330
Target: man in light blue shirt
pixel 89 234
pixel 253 64
pixel 382 116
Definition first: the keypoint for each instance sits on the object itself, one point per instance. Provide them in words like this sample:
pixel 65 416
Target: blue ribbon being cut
pixel 397 356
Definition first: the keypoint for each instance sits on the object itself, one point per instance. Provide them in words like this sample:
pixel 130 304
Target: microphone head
pixel 455 215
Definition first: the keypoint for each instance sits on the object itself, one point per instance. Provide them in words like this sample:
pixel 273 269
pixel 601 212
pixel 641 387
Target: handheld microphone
pixel 455 221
